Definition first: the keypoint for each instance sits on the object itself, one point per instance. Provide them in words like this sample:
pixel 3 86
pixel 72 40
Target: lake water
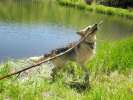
pixel 34 28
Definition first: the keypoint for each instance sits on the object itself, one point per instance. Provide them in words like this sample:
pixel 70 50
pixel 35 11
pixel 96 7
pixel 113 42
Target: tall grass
pixel 117 56
pixel 97 8
pixel 106 84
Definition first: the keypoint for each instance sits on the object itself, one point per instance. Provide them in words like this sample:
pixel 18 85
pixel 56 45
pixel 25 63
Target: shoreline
pixel 98 8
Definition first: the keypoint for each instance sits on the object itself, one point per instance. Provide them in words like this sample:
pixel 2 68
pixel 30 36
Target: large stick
pixel 92 29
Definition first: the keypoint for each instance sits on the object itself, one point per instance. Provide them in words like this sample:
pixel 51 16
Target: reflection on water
pixel 33 28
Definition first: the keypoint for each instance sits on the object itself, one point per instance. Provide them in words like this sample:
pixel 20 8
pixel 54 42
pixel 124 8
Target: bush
pixel 116 3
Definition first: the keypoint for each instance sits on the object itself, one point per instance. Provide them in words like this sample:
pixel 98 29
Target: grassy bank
pixel 113 56
pixel 97 8
pixel 111 78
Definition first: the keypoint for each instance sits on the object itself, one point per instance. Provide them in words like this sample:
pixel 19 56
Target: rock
pixel 36 59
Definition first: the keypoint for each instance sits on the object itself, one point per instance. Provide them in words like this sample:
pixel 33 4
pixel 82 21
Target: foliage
pixel 116 3
pixel 98 8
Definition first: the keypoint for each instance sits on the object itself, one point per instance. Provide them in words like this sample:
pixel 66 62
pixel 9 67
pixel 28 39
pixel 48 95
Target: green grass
pixel 97 8
pixel 111 78
pixel 117 56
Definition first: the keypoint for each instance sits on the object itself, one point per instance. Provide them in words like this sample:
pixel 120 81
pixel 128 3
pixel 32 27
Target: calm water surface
pixel 34 28
pixel 21 40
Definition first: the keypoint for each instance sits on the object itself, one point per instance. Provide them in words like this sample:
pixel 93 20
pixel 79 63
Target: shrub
pixel 116 3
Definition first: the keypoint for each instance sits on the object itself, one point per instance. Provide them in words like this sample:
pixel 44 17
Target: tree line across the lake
pixel 114 3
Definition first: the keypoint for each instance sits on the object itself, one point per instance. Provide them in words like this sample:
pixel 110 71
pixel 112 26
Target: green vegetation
pixel 111 78
pixel 117 56
pixel 97 8
pixel 117 3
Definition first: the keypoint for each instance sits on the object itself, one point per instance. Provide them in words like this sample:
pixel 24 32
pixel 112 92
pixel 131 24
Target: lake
pixel 35 28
